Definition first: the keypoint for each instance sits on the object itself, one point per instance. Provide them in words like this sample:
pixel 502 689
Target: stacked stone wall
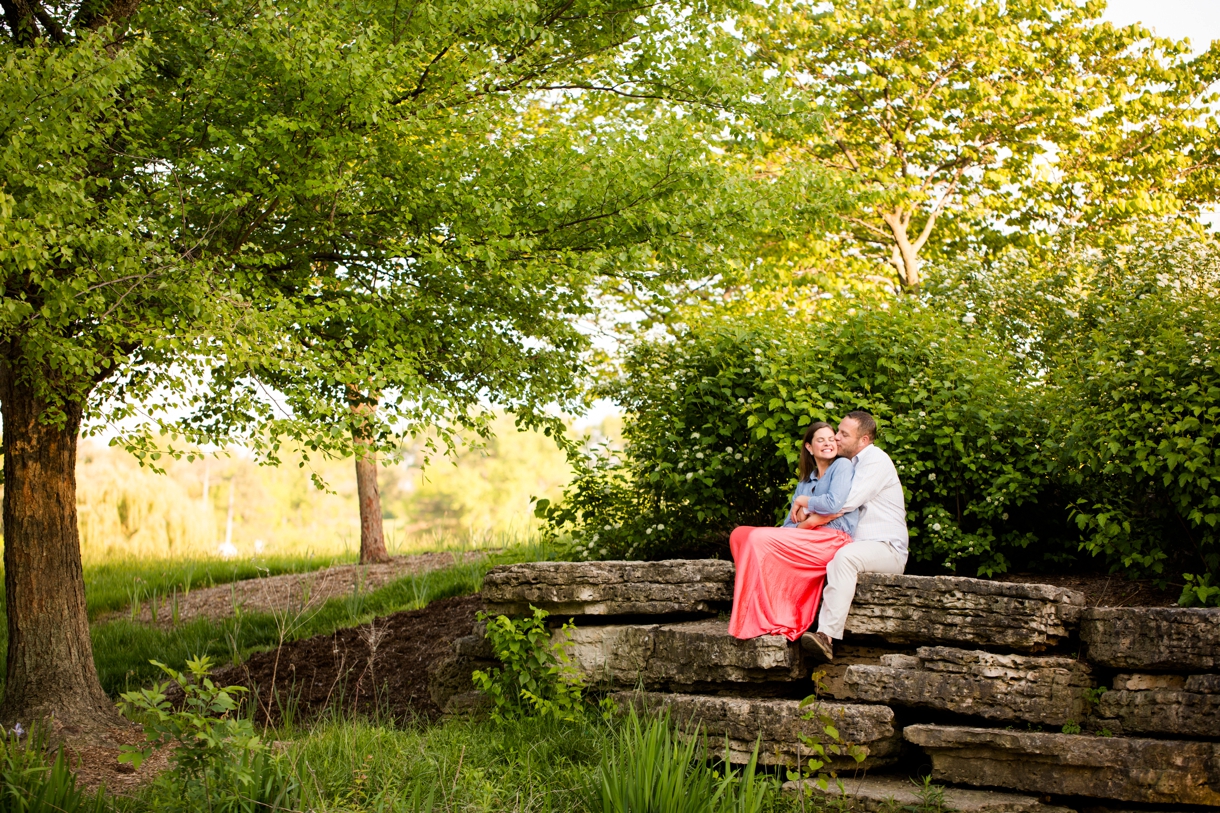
pixel 1004 690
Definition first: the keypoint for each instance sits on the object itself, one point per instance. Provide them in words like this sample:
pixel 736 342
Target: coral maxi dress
pixel 781 571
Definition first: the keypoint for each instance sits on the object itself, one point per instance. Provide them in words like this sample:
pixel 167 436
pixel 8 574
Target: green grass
pixel 530 765
pixel 113 586
pixel 123 649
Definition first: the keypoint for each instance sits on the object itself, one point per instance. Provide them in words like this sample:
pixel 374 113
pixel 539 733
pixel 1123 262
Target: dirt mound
pixel 379 668
pixel 294 592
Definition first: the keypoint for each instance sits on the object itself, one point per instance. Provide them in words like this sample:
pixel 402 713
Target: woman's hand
pixel 799 510
pixel 818 520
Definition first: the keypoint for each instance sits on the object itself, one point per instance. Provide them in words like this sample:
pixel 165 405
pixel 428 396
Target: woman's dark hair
pixel 808 465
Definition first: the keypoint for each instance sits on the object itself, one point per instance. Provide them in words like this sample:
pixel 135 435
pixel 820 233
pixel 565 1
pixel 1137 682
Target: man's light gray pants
pixel 851 560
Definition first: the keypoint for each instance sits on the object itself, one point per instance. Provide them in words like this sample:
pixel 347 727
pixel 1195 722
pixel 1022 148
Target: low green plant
pixel 1199 591
pixel 657 770
pixel 931 797
pixel 537 677
pixel 220 763
pixel 1071 727
pixel 826 746
pixel 31 784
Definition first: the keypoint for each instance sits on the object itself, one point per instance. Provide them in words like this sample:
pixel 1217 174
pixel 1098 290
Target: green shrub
pixel 220 764
pixel 715 419
pixel 1199 591
pixel 1136 386
pixel 537 678
pixel 654 770
pixel 29 784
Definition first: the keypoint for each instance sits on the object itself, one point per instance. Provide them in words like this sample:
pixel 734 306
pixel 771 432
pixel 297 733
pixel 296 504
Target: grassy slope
pixel 123 649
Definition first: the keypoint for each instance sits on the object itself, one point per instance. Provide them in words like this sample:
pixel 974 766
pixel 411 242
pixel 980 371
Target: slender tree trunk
pixel 372 533
pixel 905 253
pixel 50 656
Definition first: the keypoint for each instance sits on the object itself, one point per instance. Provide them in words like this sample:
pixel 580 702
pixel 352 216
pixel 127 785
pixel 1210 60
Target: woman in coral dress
pixel 781 571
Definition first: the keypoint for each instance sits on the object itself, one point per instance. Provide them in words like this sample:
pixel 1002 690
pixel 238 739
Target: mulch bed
pixel 379 668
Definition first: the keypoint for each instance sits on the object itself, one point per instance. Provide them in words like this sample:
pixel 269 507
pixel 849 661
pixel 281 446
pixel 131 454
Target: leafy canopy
pixel 220 220
pixel 973 124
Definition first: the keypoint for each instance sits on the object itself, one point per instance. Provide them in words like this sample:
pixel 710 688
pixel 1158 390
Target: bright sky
pixel 1198 20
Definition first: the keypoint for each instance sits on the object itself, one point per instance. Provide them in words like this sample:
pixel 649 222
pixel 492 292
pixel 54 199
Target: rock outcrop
pixel 886 794
pixel 1178 705
pixel 680 656
pixel 776 725
pixel 934 649
pixel 1131 770
pixel 674 587
pixel 955 610
pixel 1153 638
pixel 1010 688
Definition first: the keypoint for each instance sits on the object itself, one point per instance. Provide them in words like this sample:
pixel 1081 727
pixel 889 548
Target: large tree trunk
pixel 372 532
pixel 50 657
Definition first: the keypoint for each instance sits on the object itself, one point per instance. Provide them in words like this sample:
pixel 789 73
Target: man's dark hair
pixel 866 422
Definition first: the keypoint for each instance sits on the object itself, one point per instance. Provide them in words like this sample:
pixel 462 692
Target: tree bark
pixel 372 533
pixel 51 674
pixel 905 253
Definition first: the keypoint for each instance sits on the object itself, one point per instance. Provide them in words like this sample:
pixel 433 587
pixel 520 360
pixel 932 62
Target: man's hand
pixel 817 520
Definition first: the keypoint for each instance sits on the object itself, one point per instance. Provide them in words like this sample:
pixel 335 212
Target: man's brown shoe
pixel 818 645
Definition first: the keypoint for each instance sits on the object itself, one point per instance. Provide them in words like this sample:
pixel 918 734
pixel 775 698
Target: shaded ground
pixel 379 668
pixel 294 592
pixel 1104 590
pixel 97 765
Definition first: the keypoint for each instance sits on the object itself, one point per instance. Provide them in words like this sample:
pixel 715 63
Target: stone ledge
pixel 957 610
pixel 1131 770
pixel 1169 638
pixel 1179 705
pixel 997 687
pixel 675 586
pixel 777 722
pixel 680 656
pixel 887 794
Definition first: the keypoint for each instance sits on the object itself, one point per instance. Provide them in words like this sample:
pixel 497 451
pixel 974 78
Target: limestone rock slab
pixel 1169 638
pixel 675 586
pixel 1180 705
pixel 1132 770
pixel 1028 688
pixel 885 794
pixel 680 655
pixel 778 722
pixel 957 610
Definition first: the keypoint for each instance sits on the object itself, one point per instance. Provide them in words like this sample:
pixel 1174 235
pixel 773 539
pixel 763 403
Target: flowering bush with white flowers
pixel 715 419
pixel 1135 394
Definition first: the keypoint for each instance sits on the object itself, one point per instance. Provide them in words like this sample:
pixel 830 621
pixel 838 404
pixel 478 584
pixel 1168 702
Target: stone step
pixel 675 586
pixel 958 610
pixel 680 656
pixel 1179 705
pixel 1028 688
pixel 778 723
pixel 1130 770
pixel 895 609
pixel 886 794
pixel 1169 638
